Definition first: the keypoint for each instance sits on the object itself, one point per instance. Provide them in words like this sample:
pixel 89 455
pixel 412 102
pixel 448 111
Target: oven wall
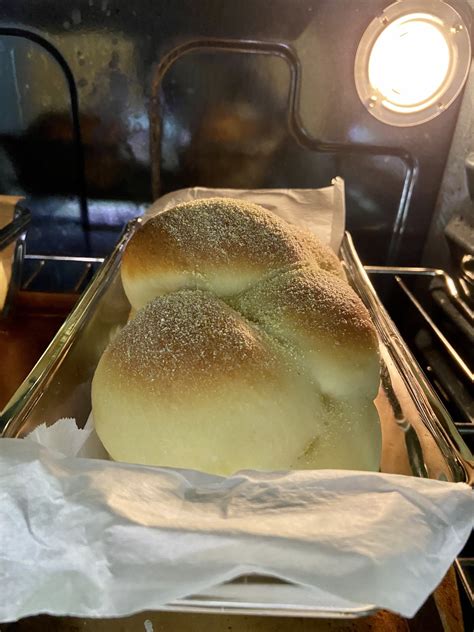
pixel 223 115
pixel 453 195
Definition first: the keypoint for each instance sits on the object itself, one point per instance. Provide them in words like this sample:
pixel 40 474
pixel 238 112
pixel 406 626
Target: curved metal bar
pixel 449 283
pixel 74 100
pixel 295 125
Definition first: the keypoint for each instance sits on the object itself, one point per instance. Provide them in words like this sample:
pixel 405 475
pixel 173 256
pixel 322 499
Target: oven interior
pixel 108 104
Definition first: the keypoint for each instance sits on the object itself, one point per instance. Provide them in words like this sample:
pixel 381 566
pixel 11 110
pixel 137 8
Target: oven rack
pixel 457 308
pixel 463 313
pixel 48 272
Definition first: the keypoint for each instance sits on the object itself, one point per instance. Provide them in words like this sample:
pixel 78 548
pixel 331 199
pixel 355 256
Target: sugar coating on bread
pixel 188 339
pixel 312 298
pixel 324 321
pixel 219 244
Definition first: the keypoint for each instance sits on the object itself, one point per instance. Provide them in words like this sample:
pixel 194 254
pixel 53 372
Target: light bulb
pixel 409 63
pixel 412 61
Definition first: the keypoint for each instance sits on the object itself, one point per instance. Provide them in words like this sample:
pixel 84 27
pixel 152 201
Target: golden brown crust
pixel 317 254
pixel 187 339
pixel 151 246
pixel 219 232
pixel 316 303
pixel 322 321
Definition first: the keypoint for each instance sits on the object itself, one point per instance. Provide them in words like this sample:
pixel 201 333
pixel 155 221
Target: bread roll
pixel 190 383
pixel 216 244
pixel 326 324
pixel 246 348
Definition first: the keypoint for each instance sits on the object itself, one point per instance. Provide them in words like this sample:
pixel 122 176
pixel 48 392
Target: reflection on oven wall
pixel 455 204
pixel 223 114
pixel 36 117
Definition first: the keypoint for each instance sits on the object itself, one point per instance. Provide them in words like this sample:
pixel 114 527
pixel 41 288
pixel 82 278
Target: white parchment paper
pixel 321 211
pixel 94 538
pixel 98 538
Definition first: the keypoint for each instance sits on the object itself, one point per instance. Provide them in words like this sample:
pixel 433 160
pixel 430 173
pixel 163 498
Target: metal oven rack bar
pixel 85 265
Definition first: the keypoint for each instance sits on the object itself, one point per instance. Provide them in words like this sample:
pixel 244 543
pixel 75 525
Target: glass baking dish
pixel 419 438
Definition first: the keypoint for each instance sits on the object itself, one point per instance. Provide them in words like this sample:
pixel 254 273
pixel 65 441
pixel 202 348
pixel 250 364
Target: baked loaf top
pixel 238 360
pixel 324 321
pixel 217 244
pixel 189 339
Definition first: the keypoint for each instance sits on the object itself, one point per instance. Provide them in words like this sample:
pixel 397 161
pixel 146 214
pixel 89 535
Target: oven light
pixel 410 64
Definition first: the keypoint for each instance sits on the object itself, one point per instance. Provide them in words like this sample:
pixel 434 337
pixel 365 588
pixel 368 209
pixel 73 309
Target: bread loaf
pixel 248 349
